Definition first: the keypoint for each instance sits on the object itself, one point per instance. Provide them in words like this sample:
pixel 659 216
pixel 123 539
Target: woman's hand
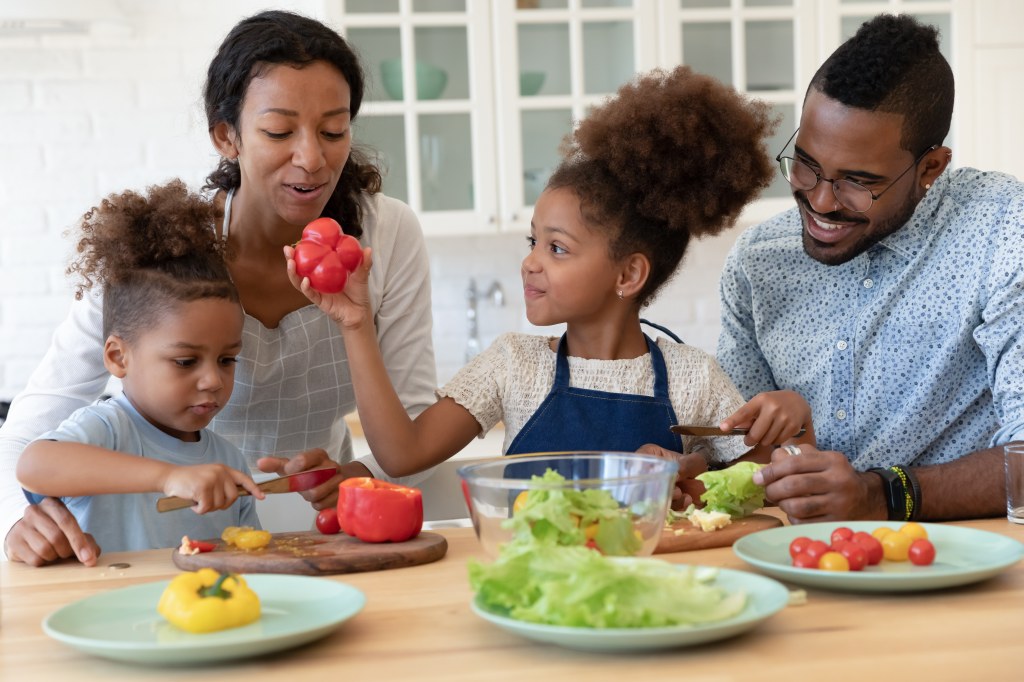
pixel 48 532
pixel 324 495
pixel 688 489
pixel 210 486
pixel 349 308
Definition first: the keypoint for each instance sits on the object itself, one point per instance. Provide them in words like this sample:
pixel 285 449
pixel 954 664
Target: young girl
pixel 173 327
pixel 673 156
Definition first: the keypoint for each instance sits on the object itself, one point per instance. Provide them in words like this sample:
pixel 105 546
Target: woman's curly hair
pixel 673 155
pixel 150 253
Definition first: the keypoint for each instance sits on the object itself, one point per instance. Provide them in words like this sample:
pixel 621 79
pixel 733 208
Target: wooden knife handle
pixel 166 504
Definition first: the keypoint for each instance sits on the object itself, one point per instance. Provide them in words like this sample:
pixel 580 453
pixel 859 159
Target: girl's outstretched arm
pixel 401 445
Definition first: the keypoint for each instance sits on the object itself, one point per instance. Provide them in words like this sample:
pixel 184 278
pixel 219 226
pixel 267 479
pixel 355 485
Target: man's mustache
pixel 834 216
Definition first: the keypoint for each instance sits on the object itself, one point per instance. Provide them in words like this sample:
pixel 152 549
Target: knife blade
pixel 293 483
pixel 693 430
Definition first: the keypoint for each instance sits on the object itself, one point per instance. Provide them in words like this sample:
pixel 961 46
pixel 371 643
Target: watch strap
pixel 895 493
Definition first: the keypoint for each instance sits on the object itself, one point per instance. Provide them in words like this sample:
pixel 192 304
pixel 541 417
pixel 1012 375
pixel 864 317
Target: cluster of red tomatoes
pixel 850 551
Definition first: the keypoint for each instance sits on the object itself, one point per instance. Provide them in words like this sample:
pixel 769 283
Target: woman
pixel 280 97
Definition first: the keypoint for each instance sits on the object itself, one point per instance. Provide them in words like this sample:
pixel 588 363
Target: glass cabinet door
pixel 427 112
pixel 554 60
pixel 752 45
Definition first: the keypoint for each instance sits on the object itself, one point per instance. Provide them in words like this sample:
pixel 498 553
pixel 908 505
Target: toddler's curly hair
pixel 675 154
pixel 149 253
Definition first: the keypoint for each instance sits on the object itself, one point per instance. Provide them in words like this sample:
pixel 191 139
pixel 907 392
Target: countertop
pixel 418 625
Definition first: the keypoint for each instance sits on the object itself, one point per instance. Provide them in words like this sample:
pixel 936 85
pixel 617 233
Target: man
pixel 891 297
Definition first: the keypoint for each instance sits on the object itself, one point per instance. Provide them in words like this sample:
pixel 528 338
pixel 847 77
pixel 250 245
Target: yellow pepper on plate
pixel 207 601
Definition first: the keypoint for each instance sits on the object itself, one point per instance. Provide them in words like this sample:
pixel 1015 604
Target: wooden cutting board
pixel 312 553
pixel 694 538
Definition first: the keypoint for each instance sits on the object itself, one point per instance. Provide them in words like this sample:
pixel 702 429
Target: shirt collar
pixel 914 235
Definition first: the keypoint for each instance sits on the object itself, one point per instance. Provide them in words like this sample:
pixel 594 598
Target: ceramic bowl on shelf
pixel 430 80
pixel 637 489
pixel 530 82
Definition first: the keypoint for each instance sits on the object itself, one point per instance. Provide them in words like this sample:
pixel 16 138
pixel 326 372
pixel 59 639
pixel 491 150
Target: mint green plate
pixel 765 598
pixel 962 556
pixel 124 625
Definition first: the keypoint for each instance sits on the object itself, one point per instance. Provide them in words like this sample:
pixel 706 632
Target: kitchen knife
pixel 304 480
pixel 691 430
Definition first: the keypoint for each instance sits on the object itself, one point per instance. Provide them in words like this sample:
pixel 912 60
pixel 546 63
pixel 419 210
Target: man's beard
pixel 834 254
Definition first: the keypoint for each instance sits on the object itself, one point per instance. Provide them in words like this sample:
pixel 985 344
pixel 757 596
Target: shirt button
pixel 868 283
pixel 841 345
pixel 840 414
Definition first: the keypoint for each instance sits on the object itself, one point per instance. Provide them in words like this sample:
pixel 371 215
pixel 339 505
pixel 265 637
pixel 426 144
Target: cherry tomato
pixel 872 547
pixel 914 530
pixel 841 533
pixel 327 521
pixel 855 555
pixel 326 256
pixel 895 546
pixel 816 549
pixel 798 545
pixel 833 561
pixel 921 552
pixel 881 532
pixel 805 560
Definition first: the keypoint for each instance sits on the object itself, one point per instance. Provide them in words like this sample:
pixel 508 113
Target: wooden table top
pixel 417 625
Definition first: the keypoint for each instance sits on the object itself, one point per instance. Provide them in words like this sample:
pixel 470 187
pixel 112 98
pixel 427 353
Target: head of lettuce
pixel 732 490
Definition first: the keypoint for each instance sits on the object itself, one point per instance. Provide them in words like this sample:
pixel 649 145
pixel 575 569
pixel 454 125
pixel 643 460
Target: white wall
pixel 86 115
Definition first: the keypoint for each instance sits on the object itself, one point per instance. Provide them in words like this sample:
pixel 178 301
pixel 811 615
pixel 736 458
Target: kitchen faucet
pixel 495 294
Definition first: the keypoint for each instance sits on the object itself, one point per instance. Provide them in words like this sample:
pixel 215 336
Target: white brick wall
pixel 86 115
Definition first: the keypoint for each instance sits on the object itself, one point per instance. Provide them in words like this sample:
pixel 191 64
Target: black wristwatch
pixel 895 493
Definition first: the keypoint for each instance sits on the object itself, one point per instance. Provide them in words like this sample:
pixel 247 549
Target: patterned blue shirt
pixel 910 353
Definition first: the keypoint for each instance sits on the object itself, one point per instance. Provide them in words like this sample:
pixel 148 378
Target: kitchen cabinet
pixel 468 100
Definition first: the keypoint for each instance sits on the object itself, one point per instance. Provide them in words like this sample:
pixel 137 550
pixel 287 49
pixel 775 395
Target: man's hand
pixel 820 486
pixel 324 495
pixel 688 489
pixel 48 532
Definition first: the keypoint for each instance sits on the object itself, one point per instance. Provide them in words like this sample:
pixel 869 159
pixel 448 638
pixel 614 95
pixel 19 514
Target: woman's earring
pixel 928 186
pixel 620 294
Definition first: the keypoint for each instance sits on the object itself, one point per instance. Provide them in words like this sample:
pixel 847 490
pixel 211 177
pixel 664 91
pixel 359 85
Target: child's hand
pixel 773 418
pixel 210 486
pixel 350 307
pixel 688 489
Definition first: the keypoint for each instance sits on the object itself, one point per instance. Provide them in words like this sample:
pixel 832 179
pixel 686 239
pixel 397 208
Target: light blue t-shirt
pixel 911 353
pixel 131 522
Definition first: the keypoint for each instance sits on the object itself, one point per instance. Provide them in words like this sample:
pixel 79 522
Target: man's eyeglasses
pixel 850 194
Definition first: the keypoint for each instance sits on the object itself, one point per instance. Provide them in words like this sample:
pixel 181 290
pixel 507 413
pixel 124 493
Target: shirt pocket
pixel 914 356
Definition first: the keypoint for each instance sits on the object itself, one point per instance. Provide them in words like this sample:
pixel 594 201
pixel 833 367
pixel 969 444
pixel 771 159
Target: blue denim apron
pixel 582 419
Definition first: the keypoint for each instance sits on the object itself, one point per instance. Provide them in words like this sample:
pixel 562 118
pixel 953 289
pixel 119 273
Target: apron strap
pixel 561 365
pixel 664 330
pixel 660 371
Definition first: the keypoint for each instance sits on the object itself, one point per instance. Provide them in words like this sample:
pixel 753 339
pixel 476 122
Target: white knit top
pixel 510 380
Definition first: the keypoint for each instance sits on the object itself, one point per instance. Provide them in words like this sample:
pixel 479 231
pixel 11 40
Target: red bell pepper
pixel 326 255
pixel 378 511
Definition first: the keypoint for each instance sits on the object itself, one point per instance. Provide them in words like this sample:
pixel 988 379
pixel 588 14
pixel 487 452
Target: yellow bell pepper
pixel 207 601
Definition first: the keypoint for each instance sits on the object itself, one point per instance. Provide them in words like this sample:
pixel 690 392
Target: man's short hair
pixel 893 65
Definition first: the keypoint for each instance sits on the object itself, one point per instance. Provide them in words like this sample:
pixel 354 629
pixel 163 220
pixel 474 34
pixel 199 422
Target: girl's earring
pixel 620 294
pixel 928 186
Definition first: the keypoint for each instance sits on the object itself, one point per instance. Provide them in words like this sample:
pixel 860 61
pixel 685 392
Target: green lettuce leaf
pixel 732 490
pixel 578 587
pixel 560 516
